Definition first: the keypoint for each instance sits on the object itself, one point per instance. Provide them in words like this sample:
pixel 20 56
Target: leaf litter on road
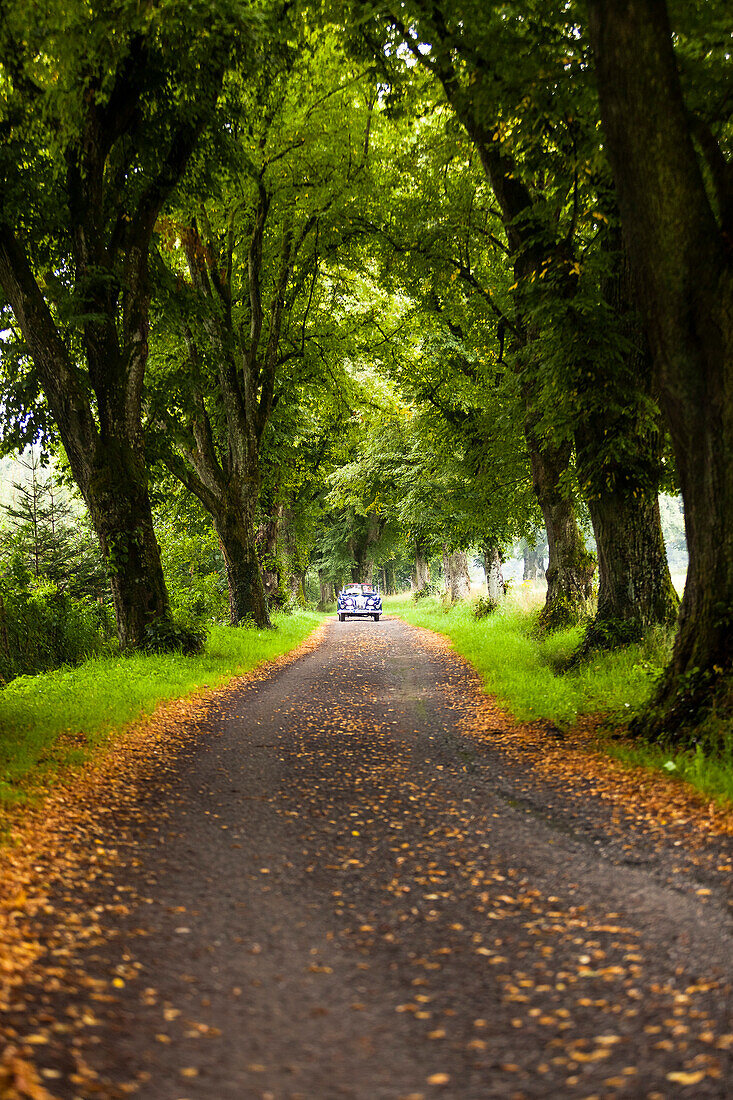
pixel 448 897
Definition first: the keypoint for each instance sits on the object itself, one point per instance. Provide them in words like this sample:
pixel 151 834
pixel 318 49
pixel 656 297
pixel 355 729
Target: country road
pixel 332 890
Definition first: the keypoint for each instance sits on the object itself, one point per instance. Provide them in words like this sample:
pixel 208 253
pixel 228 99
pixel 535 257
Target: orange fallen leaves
pixel 661 802
pixel 19 1079
pixel 683 1078
pixel 438 1079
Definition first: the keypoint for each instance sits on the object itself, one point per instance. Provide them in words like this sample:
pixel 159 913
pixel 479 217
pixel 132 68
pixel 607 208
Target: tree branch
pixel 66 398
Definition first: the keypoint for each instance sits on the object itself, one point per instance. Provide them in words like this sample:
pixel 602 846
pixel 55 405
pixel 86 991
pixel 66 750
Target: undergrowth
pixel 59 718
pixel 524 671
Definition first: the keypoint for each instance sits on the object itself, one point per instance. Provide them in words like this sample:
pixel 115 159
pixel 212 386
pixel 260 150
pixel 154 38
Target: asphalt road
pixel 332 892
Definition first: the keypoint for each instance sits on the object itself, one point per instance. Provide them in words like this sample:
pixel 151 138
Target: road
pixel 331 890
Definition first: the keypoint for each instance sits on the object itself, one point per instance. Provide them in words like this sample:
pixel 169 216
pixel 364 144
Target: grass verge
pixel 522 671
pixel 60 718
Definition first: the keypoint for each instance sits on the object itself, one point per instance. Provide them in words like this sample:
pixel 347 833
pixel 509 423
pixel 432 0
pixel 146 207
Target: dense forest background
pixel 299 294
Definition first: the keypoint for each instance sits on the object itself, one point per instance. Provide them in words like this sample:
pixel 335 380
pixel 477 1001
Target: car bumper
pixel 357 612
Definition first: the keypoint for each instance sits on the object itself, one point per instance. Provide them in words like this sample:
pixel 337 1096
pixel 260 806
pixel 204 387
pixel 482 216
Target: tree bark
pixel 267 537
pixel 107 218
pixel 683 265
pixel 457 579
pixel 296 585
pixel 619 461
pixel 420 573
pixel 234 524
pixel 635 589
pixel 221 463
pixel 360 546
pixel 570 567
pixel 327 592
pixel 494 577
pixel 115 491
pixel 107 461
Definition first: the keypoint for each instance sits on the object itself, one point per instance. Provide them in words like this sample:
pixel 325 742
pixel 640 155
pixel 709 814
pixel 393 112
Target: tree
pixel 466 53
pixel 440 285
pixel 675 193
pixel 53 540
pixel 597 374
pixel 256 308
pixel 93 144
pixel 517 81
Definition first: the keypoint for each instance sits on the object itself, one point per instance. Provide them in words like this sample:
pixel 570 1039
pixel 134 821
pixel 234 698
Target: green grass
pixel 89 701
pixel 523 672
pixel 711 773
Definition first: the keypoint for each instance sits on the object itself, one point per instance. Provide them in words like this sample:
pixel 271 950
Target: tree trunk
pixel 529 555
pixel 457 579
pixel 680 252
pixel 266 540
pixel 234 525
pixel 635 589
pixel 365 571
pixel 534 561
pixel 107 461
pixel 570 567
pixel 115 491
pixel 619 460
pixel 296 586
pixel 327 592
pixel 494 578
pixel 421 573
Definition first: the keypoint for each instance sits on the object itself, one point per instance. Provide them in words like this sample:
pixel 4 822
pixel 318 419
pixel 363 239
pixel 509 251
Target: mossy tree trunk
pixel 267 537
pixel 115 491
pixel 234 524
pixel 635 589
pixel 570 567
pixel 679 244
pixel 618 448
pixel 327 593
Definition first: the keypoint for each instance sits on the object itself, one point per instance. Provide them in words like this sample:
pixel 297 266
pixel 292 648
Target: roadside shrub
pixel 425 592
pixel 42 628
pixel 167 636
pixel 485 606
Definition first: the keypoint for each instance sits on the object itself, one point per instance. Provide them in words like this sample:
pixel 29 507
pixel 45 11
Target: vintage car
pixel 361 601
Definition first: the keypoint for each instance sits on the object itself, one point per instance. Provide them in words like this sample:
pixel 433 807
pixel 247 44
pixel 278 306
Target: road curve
pixel 329 894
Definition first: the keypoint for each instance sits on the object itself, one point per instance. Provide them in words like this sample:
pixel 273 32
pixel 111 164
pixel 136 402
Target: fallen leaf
pixel 684 1078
